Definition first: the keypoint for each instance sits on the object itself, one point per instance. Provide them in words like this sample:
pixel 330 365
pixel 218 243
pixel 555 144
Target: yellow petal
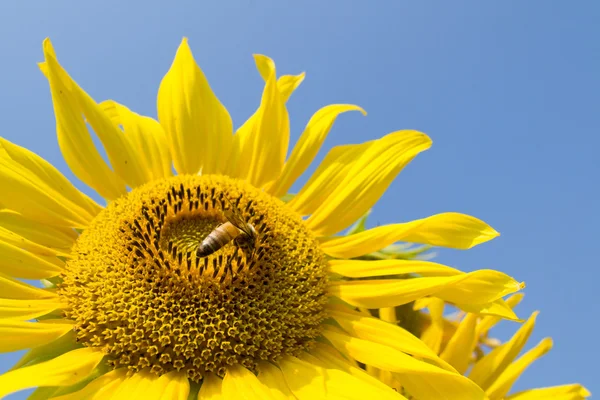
pixel 563 392
pixel 19 335
pixel 460 347
pixel 212 388
pixel 344 370
pixel 495 309
pixel 20 263
pixel 493 364
pixel 388 314
pixel 237 160
pixel 265 66
pixel 23 310
pixel 198 126
pixel 488 322
pixel 308 145
pixel 100 388
pixel 330 358
pixel 49 350
pixel 38 191
pixel 239 383
pixel 325 180
pixel 35 236
pixel 452 230
pixel 309 381
pixel 273 379
pixel 434 333
pixel 71 104
pixel 174 386
pixel 148 386
pixel 64 370
pixel 502 385
pixel 138 386
pixel 264 139
pixel 15 289
pixel 19 241
pixel 378 331
pixel 286 84
pixel 475 287
pixel 368 179
pixel 422 380
pixel 147 136
pixel 364 269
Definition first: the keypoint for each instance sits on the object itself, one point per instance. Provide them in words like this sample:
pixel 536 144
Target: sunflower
pixel 461 340
pixel 202 277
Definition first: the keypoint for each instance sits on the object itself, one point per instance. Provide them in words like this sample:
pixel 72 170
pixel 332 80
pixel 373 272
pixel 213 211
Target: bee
pixel 234 229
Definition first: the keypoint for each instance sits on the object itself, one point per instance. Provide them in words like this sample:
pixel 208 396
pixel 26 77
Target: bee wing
pixel 237 221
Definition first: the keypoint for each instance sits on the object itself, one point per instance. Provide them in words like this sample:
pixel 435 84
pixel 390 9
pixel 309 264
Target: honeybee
pixel 233 229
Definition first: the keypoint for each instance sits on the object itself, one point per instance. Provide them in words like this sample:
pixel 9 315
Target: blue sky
pixel 508 91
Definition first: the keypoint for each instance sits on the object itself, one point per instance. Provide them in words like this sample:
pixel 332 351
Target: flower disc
pixel 137 287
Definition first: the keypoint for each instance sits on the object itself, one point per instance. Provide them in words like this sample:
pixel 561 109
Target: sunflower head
pixel 138 288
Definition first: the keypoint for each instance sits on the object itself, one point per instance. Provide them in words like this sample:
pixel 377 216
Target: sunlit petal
pixel 198 126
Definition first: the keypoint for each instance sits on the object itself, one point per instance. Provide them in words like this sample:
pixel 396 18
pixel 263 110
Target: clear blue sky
pixel 509 91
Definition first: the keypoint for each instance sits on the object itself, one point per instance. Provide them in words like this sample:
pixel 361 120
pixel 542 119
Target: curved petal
pixel 47 351
pixel 492 365
pixel 20 263
pixel 239 383
pixel 138 386
pixel 63 370
pixel 147 136
pixel 212 388
pixel 19 241
pixel 367 180
pixel 146 385
pixel 286 84
pixel 19 335
pixel 39 192
pixel 326 179
pixel 378 331
pixel 263 140
pixel 34 235
pixel 239 149
pixel 174 386
pixel 100 388
pixel 488 322
pixel 454 230
pixel 563 392
pixel 272 377
pixel 23 310
pixel 422 380
pixel 494 309
pixel 475 287
pixel 309 381
pixel 308 146
pixel 330 358
pixel 198 126
pixel 502 385
pixel 15 289
pixel 364 269
pixel 434 334
pixel 71 104
pixel 460 347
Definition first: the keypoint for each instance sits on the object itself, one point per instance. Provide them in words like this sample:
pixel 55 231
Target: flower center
pixel 196 273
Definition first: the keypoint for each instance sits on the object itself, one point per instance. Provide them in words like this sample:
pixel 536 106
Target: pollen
pixel 137 287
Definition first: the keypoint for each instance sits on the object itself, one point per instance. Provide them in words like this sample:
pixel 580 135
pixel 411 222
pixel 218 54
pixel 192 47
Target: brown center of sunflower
pixel 143 287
